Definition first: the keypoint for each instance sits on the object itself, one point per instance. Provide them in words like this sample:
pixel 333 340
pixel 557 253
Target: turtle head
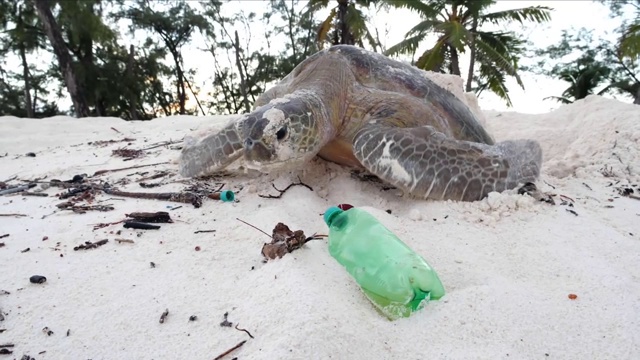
pixel 281 134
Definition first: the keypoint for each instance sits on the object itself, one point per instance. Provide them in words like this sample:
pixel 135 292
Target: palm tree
pixel 458 26
pixel 346 23
pixel 583 82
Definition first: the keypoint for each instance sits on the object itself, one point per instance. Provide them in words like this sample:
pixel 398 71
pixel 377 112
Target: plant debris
pixel 103 143
pixel 281 192
pixel 184 197
pixel 4 351
pixel 149 217
pixel 532 190
pixel 164 315
pixel 225 322
pixel 283 241
pixel 238 345
pixel 128 154
pixel 47 331
pixel 573 212
pixel 248 333
pixel 101 172
pixel 120 241
pixel 203 231
pixel 139 225
pixel 17 189
pixel 89 245
pixel 14 215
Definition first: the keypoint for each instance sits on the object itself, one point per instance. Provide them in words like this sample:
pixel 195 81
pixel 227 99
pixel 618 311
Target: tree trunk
pixel 64 59
pixel 345 33
pixel 637 99
pixel 133 101
pixel 180 89
pixel 472 53
pixel 27 83
pixel 455 62
pixel 243 84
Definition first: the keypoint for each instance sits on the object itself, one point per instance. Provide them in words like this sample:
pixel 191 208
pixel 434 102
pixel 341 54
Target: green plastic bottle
pixel 395 278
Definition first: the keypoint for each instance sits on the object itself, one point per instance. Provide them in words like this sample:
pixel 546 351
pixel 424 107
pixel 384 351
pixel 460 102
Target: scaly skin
pixel 359 108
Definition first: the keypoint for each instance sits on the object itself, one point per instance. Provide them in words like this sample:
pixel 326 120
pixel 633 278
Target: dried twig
pixel 17 189
pixel 248 333
pixel 203 231
pixel 186 197
pixel 14 215
pixel 4 236
pixel 100 172
pixel 27 193
pixel 230 350
pixel 103 225
pixel 164 143
pixel 140 225
pixel 281 192
pixel 89 245
pixel 255 227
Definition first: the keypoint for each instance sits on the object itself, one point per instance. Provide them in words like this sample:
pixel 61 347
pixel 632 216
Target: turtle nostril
pixel 248 143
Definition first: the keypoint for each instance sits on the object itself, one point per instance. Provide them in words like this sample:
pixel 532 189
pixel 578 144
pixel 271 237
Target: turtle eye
pixel 282 133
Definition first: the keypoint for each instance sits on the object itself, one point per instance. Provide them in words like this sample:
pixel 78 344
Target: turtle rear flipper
pixel 427 164
pixel 213 152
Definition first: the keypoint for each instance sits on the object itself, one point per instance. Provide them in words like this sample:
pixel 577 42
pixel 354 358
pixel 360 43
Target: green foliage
pixel 129 56
pixel 589 66
pixel 345 24
pixel 458 27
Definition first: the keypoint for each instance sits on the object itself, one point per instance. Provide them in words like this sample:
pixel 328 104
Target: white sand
pixel 508 263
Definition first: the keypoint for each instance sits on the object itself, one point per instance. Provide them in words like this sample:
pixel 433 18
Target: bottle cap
pixel 331 213
pixel 227 195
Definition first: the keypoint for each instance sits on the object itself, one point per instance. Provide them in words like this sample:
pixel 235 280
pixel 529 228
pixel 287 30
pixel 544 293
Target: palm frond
pixel 406 46
pixel 316 5
pixel 630 42
pixel 426 10
pixel 425 26
pixel 501 61
pixel 358 24
pixel 457 35
pixel 560 99
pixel 538 14
pixel 433 58
pixel 494 81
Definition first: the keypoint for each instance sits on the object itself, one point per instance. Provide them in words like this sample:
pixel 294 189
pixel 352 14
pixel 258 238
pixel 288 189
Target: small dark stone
pixel 193 318
pixel 388 211
pixel 37 279
pixel 30 154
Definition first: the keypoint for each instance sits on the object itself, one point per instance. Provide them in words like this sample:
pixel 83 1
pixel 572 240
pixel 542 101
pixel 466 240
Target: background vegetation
pixel 125 58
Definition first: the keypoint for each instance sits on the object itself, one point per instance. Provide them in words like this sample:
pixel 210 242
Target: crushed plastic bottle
pixel 395 278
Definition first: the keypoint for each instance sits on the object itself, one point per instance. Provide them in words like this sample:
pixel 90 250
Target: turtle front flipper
pixel 212 153
pixel 427 164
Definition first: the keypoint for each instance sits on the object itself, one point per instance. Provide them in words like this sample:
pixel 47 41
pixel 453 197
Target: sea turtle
pixel 362 109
